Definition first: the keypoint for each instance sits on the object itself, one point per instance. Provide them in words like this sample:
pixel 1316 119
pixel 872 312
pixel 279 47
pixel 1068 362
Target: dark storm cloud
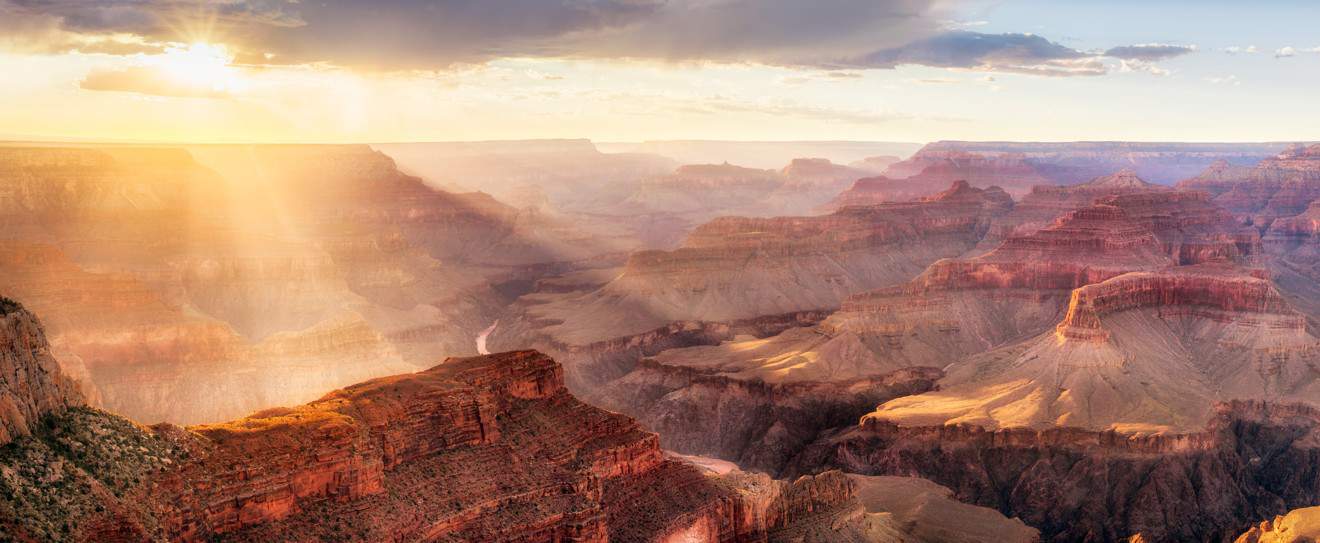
pixel 1149 52
pixel 435 34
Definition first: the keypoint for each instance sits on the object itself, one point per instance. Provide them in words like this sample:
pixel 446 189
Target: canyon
pixel 919 349
pixel 489 448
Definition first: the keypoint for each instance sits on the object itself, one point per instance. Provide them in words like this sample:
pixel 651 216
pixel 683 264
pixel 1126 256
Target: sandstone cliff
pixel 488 448
pixel 31 383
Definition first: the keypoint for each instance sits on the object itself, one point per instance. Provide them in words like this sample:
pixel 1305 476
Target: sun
pixel 200 65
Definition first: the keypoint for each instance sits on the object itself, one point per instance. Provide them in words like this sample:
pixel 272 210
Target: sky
pixel 632 70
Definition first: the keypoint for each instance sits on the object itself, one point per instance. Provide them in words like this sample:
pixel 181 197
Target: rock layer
pixel 31 383
pixel 1253 461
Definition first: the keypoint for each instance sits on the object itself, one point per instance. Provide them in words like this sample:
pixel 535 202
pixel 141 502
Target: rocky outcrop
pixel 1211 289
pixel 1139 353
pixel 1253 461
pixel 31 383
pixel 1298 526
pixel 489 448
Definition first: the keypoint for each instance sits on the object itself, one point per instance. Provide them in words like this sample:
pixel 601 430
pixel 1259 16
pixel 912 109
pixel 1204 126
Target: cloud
pixel 149 80
pixel 1149 52
pixel 1249 50
pixel 440 34
pixel 1019 53
pixel 1141 66
pixel 1290 51
pixel 1225 80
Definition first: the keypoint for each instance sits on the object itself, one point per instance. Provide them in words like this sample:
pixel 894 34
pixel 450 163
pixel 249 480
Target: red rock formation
pixel 1045 203
pixel 1192 228
pixel 1290 233
pixel 1252 461
pixel 1208 288
pixel 488 448
pixel 1280 186
pixel 31 383
pixel 1143 352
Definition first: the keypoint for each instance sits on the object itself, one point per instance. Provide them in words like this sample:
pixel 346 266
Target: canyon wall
pixel 1255 460
pixel 31 383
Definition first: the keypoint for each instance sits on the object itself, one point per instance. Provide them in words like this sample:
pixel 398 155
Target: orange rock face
pixel 489 448
pixel 31 383
pixel 458 425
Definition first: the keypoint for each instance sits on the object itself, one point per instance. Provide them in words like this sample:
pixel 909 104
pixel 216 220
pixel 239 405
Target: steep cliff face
pixel 1253 461
pixel 488 448
pixel 1141 352
pixel 31 383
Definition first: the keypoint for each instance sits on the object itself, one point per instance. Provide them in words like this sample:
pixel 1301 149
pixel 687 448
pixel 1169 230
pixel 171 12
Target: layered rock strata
pixel 488 448
pixel 1253 461
pixel 735 268
pixel 31 383
pixel 1279 186
pixel 1139 353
